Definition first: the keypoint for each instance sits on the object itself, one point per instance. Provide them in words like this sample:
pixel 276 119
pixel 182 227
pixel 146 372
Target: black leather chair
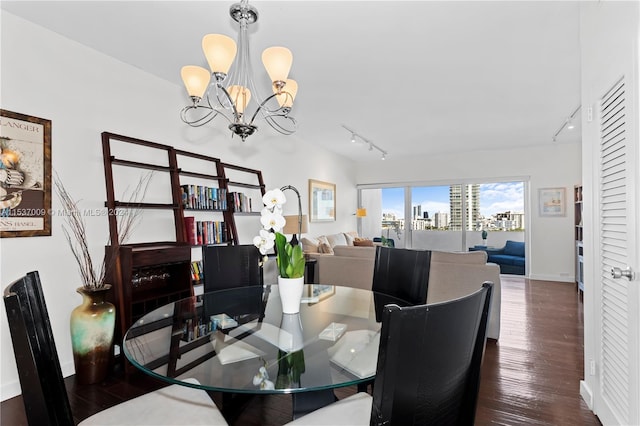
pixel 43 389
pixel 231 266
pixel 402 273
pixel 428 370
pixel 227 267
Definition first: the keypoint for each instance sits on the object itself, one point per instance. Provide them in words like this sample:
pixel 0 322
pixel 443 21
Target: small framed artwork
pixel 25 175
pixel 322 201
pixel 551 201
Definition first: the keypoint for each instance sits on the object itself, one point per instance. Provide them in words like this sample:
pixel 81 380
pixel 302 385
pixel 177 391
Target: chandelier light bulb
pixel 196 80
pixel 277 61
pixel 240 96
pixel 220 52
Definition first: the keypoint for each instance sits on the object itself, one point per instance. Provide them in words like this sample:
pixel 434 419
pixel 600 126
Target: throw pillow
pixel 350 236
pixel 362 242
pixel 310 245
pixel 326 248
pixel 337 239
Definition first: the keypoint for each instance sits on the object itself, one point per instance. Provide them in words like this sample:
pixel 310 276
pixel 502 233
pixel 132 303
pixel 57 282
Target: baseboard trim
pixel 586 394
pixel 13 389
pixel 560 278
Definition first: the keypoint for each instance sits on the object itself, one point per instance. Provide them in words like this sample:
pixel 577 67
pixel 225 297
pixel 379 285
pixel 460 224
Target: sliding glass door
pixel 445 217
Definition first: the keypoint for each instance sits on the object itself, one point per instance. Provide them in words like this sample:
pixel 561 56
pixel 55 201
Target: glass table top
pixel 239 340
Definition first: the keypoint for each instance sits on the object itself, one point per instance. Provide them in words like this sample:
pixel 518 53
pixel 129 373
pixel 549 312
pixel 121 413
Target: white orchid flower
pixel 273 198
pixel 265 241
pixel 267 385
pixel 272 220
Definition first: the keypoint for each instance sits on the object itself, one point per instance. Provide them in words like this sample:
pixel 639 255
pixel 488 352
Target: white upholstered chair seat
pixel 172 405
pixel 352 411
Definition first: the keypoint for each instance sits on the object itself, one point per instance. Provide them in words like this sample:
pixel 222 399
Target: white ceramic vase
pixel 290 290
pixel 290 336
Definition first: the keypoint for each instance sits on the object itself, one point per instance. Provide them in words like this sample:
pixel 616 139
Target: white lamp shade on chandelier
pixel 229 93
pixel 220 52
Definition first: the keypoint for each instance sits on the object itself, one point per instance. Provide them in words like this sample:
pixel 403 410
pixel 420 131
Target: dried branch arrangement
pixel 76 231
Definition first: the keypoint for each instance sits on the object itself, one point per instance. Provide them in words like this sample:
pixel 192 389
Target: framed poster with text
pixel 25 175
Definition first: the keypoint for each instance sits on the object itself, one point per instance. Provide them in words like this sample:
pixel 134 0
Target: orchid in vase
pixel 290 258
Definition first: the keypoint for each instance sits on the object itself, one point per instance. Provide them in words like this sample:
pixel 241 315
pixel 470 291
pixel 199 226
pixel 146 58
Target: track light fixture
pixel 371 145
pixel 567 124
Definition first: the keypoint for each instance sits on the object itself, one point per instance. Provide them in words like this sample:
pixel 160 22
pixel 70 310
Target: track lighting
pixel 567 124
pixel 355 136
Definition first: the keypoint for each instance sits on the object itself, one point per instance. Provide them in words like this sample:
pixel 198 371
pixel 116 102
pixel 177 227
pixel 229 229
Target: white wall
pixel 85 93
pixel 550 249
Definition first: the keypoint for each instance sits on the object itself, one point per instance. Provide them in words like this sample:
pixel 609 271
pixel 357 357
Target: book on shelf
pixel 192 232
pixel 241 202
pixel 203 197
pixel 197 273
pixel 203 232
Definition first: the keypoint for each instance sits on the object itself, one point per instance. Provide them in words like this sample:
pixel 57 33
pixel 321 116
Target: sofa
pixel 510 258
pixel 454 275
pixel 339 261
pixel 451 275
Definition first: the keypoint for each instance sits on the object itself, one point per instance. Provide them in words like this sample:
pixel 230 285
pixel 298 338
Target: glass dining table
pixel 238 341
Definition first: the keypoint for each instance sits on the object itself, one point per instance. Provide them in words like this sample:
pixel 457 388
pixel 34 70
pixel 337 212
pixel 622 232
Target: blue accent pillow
pixel 514 248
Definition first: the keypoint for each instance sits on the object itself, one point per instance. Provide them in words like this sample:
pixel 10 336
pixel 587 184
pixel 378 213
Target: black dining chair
pixel 402 273
pixel 43 389
pixel 228 267
pixel 428 370
pixel 231 266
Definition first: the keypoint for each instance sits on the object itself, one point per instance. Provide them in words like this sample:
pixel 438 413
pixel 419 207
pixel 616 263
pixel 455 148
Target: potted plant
pixel 484 237
pixel 290 258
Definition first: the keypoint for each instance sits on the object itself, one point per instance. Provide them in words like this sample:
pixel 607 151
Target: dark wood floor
pixel 530 376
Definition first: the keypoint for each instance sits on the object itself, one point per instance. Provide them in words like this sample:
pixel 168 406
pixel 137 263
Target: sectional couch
pixel 451 274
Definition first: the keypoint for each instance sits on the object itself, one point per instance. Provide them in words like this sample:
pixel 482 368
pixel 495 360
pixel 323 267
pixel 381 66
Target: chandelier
pixel 220 92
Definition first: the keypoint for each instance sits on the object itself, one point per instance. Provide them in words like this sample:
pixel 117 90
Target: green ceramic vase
pixel 92 328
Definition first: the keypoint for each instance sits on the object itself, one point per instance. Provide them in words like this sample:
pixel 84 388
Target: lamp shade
pixel 220 52
pixel 240 96
pixel 291 227
pixel 361 212
pixel 288 95
pixel 195 79
pixel 277 61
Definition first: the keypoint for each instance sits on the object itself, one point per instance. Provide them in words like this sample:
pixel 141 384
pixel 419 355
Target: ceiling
pixel 415 78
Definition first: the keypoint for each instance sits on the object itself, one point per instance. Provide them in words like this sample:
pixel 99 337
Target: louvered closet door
pixel 618 319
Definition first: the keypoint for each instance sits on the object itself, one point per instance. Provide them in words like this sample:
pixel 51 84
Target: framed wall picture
pixel 551 201
pixel 25 175
pixel 322 201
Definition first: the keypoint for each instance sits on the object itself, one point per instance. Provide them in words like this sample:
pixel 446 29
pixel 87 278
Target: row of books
pixel 203 197
pixel 240 202
pixel 203 232
pixel 197 273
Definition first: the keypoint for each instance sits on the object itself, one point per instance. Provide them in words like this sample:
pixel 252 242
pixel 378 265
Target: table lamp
pixel 291 221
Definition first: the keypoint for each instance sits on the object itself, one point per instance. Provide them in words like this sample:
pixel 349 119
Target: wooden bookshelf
pixel 151 274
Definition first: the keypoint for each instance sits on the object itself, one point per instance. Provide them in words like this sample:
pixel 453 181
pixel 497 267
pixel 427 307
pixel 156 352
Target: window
pixel 445 217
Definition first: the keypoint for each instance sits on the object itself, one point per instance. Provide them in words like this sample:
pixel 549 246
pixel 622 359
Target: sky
pixel 494 198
